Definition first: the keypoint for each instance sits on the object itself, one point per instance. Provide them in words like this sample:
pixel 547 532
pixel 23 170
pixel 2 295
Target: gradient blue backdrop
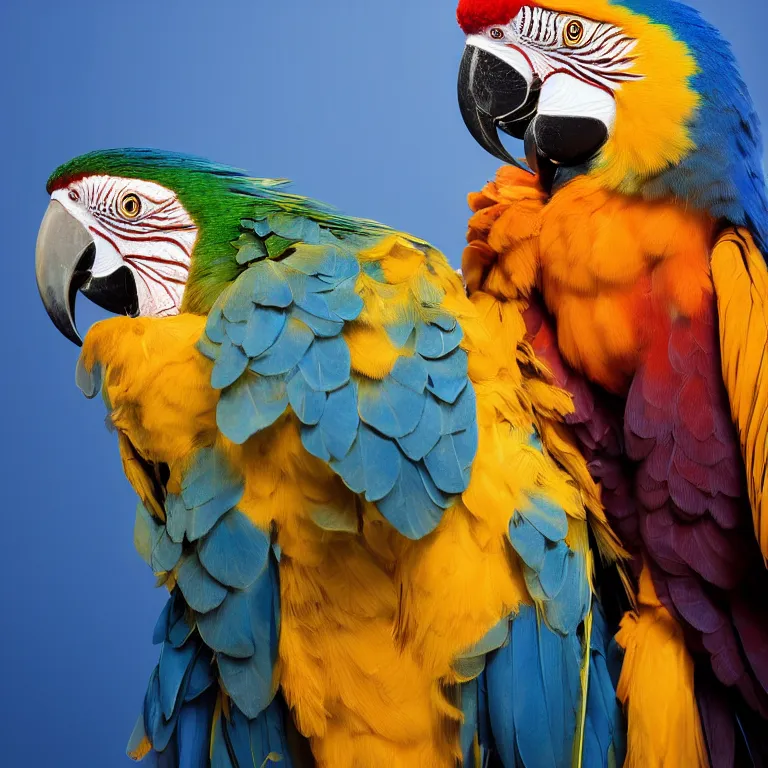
pixel 352 99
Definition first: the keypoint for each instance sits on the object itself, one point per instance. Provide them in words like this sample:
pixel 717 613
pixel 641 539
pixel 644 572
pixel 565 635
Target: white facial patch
pixel 564 95
pixel 597 52
pixel 140 225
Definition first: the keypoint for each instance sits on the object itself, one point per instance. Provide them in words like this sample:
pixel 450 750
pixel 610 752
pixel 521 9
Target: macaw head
pixel 142 232
pixel 643 94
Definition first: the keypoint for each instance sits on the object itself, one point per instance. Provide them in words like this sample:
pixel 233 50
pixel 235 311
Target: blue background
pixel 353 100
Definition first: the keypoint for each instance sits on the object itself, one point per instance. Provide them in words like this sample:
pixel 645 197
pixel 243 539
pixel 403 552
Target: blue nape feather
pixel 724 174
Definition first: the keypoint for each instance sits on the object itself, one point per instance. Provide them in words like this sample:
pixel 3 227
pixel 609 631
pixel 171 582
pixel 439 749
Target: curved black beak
pixel 493 95
pixel 64 257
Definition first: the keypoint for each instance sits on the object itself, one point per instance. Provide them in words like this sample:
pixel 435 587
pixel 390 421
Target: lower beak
pixel 64 258
pixel 493 95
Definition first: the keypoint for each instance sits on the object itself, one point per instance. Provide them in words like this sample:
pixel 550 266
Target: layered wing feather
pixel 741 285
pixel 404 437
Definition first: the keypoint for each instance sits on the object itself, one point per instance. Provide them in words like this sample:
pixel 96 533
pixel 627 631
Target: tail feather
pixel 604 732
pixel 188 721
pixel 656 686
pixel 522 710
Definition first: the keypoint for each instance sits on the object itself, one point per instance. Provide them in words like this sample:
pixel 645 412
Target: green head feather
pixel 217 197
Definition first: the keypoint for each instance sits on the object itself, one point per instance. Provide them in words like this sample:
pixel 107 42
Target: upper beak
pixel 493 95
pixel 64 258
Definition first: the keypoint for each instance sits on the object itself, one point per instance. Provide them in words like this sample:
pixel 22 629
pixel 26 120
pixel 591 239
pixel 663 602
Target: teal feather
pixel 203 517
pixel 264 285
pixel 450 461
pixel 419 442
pixel 88 382
pixel 433 342
pixel 547 518
pixel 533 694
pixel 236 552
pixel 469 706
pixel 337 429
pixel 344 301
pixel 307 403
pixel 220 755
pixel 260 227
pixel 311 301
pixel 447 377
pixel 227 629
pixel 250 249
pixel 209 477
pixel 529 544
pixel 390 407
pixel 291 345
pixel 236 334
pixel 372 465
pixel 236 302
pixel 326 366
pixel 569 607
pixel 604 732
pixel 322 328
pixel 294 227
pixel 207 348
pixel 230 364
pixel 443 500
pixel 193 734
pixel 409 506
pixel 262 330
pixel 411 372
pixel 400 333
pixel 201 678
pixel 252 404
pixel 165 553
pixel 214 325
pixel 461 415
pixel 138 735
pixel 555 575
pixel 175 517
pixel 248 680
pixel 175 664
pixel 201 591
pixel 554 570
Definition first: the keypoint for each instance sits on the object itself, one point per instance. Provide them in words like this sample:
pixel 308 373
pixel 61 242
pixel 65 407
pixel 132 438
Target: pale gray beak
pixel 63 257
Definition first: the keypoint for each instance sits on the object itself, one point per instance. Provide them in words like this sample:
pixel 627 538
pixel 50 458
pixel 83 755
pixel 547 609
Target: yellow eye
pixel 574 31
pixel 130 206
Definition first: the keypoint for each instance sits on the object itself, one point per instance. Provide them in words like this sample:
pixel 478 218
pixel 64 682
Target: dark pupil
pixel 130 205
pixel 574 30
pixel 497 34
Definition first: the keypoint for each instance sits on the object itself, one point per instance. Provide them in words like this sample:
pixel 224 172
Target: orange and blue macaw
pixel 636 236
pixel 378 534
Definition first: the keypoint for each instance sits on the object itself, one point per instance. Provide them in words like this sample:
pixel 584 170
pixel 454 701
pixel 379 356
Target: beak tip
pixel 480 107
pixel 62 244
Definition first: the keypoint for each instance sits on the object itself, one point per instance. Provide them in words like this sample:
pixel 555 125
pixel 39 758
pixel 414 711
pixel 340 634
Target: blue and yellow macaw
pixel 636 236
pixel 377 532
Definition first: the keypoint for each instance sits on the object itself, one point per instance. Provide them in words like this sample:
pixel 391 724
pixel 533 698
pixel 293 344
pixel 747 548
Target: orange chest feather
pixel 616 270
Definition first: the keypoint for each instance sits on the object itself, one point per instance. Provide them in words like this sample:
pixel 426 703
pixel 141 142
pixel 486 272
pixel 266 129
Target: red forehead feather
pixel 474 15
